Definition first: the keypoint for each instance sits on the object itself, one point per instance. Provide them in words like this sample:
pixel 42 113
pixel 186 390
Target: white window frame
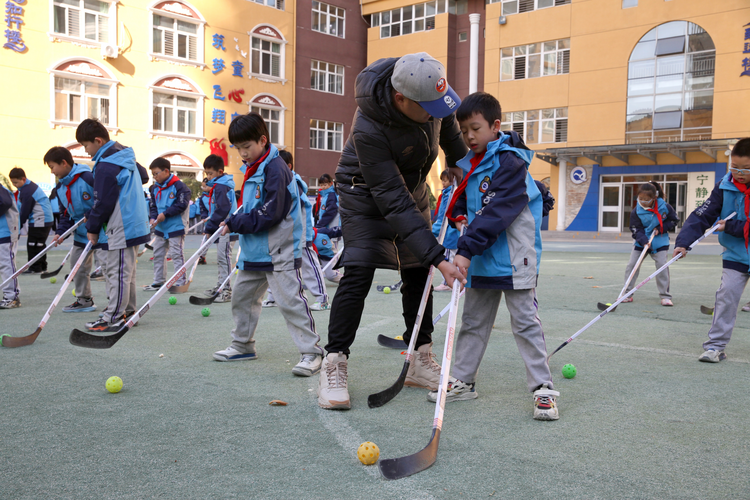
pixel 328 16
pixel 513 6
pixel 275 4
pixel 520 121
pixel 107 79
pixel 82 40
pixel 200 35
pixel 421 18
pixel 315 70
pixel 199 109
pixel 180 168
pixel 271 107
pixel 509 56
pixel 338 128
pixel 282 51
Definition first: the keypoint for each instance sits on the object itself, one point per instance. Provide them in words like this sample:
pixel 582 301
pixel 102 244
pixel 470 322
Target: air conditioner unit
pixel 110 51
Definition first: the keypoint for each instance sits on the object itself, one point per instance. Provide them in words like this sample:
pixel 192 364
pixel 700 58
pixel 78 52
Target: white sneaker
pixel 457 391
pixel 309 365
pixel 712 356
pixel 442 288
pixel 336 278
pixel 746 307
pixel 424 372
pixel 333 393
pixel 232 354
pixel 269 303
pixel 545 404
pixel 225 296
pixel 317 306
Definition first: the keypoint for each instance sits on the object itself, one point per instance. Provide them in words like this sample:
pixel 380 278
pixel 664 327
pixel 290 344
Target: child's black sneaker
pixel 153 287
pixel 80 305
pixel 457 391
pixel 100 325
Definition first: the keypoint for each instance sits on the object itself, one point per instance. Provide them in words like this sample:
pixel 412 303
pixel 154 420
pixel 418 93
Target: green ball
pixel 3 335
pixel 53 280
pixel 609 304
pixel 73 292
pixel 114 384
pixel 172 300
pixel 569 371
pixel 387 290
pixel 206 312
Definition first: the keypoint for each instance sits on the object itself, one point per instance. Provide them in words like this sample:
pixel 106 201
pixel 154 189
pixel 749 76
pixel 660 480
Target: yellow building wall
pixel 26 108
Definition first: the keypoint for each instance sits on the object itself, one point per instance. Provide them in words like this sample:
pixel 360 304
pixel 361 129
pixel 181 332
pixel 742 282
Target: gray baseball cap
pixel 421 78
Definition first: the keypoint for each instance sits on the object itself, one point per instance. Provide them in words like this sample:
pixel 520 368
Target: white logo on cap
pixel 449 101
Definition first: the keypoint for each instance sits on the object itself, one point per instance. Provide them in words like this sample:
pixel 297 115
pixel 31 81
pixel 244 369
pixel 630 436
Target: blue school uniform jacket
pixel 33 206
pixel 194 211
pixel 203 205
pixel 724 199
pixel 80 183
pixel 270 226
pixel 307 210
pixel 643 222
pixel 171 198
pixel 222 203
pixel 118 198
pixel 451 234
pixel 8 216
pixel 328 208
pixel 503 206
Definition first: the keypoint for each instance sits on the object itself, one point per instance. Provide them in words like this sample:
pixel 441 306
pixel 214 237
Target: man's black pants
pixel 35 243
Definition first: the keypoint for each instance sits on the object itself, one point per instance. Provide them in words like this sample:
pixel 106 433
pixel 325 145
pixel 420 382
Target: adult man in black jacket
pixel 405 112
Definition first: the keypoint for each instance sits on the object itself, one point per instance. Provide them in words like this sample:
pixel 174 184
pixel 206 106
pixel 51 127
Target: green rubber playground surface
pixel 642 418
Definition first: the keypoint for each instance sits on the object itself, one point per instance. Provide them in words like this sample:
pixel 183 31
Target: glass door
pixel 609 218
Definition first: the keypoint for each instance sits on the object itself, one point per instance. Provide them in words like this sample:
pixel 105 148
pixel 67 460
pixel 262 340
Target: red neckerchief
pixel 250 171
pixel 744 190
pixel 16 195
pixel 67 193
pixel 461 188
pixel 316 209
pixel 315 237
pixel 437 205
pixel 172 180
pixel 655 210
pixel 211 196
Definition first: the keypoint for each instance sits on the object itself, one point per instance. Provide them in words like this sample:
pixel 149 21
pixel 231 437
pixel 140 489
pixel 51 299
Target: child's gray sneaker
pixel 269 303
pixel 232 354
pixel 457 391
pixel 10 304
pixel 153 287
pixel 211 291
pixel 712 356
pixel 545 404
pixel 309 365
pixel 80 305
pixel 319 306
pixel 225 296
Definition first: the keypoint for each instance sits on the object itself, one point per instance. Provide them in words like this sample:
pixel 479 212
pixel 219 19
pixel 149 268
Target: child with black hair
pixel 34 207
pixel 451 234
pixel 327 203
pixel 203 211
pixel 168 212
pixel 650 214
pixel 272 229
pixel 119 209
pixel 9 229
pixel 222 202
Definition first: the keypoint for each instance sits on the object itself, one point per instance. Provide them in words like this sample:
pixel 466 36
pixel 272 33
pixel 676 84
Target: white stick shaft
pixel 65 284
pixel 333 261
pixel 195 266
pixel 445 310
pixel 447 355
pixel 637 264
pixel 194 226
pixel 67 256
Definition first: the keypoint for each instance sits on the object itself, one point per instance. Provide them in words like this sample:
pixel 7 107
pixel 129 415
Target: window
pixel 277 4
pixel 328 136
pixel 520 6
pixel 538 126
pixel 534 60
pixel 89 20
pixel 407 20
pixel 176 108
pixel 463 36
pixel 327 77
pixel 81 89
pixel 671 85
pixel 626 4
pixel 328 19
pixel 177 32
pixel 272 111
pixel 267 54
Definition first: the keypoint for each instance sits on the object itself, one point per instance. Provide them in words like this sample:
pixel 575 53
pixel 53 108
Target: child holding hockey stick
pixel 8 241
pixel 451 235
pixel 499 252
pixel 651 213
pixel 221 202
pixel 34 207
pixel 76 195
pixel 731 194
pixel 168 212
pixel 271 229
pixel 203 211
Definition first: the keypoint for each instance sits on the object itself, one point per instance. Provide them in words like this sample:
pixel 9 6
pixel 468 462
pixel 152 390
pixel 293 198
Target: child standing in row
pixel 222 202
pixel 8 243
pixel 34 207
pixel 203 211
pixel 451 234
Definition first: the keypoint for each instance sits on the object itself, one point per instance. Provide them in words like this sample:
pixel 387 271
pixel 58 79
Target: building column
pixel 474 52
pixel 562 188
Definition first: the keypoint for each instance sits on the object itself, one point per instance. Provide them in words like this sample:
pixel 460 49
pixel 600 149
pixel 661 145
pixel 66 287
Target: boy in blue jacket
pixel 34 207
pixel 499 252
pixel 326 209
pixel 272 239
pixel 76 196
pixel 203 211
pixel 731 194
pixel 8 241
pixel 222 202
pixel 168 211
pixel 451 234
pixel 119 210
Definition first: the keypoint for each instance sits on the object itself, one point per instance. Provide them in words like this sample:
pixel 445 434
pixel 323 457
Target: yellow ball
pixel 399 337
pixel 387 290
pixel 114 384
pixel 368 453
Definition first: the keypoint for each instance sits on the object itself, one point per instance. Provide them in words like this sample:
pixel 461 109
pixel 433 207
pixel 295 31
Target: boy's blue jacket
pixel 724 199
pixel 451 234
pixel 307 211
pixel 503 207
pixel 222 203
pixel 118 198
pixel 203 205
pixel 33 206
pixel 55 204
pixel 8 216
pixel 270 226
pixel 170 198
pixel 328 208
pixel 80 183
pixel 194 210
pixel 643 222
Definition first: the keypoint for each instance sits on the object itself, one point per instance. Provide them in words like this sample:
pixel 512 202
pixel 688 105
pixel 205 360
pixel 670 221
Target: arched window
pixel 177 33
pixel 272 111
pixel 184 165
pixel 671 85
pixel 79 154
pixel 267 54
pixel 80 89
pixel 176 108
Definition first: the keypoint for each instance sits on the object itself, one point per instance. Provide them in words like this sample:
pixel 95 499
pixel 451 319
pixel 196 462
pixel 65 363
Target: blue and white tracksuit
pixel 222 203
pixel 328 209
pixel 272 239
pixel 171 198
pixel 35 208
pixel 9 229
pixel 503 207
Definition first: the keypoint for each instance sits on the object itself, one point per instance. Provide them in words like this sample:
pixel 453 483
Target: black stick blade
pixel 202 301
pixel 83 339
pixel 148 246
pixel 180 289
pixel 21 341
pixel 707 310
pixel 391 343
pixel 604 307
pixel 44 276
pixel 379 399
pixel 397 468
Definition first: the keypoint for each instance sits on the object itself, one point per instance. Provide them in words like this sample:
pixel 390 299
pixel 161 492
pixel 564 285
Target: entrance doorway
pixel 619 196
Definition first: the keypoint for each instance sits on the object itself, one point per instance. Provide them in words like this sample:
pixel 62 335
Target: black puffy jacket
pixel 383 198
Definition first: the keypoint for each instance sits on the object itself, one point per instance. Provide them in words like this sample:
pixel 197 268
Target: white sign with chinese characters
pixel 700 185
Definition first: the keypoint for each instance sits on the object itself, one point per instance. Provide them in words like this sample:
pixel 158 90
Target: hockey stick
pixel 84 339
pixel 333 261
pixel 393 287
pixel 707 310
pixel 204 301
pixel 601 306
pixel 46 275
pixel 396 468
pixel 8 341
pixel 631 292
pixel 184 288
pixel 41 254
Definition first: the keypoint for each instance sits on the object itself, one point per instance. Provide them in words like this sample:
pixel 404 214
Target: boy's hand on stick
pixel 682 252
pixel 224 228
pixel 720 225
pixel 451 273
pixel 462 263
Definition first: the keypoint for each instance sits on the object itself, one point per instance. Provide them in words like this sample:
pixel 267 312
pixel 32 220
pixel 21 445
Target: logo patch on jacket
pixel 325 242
pixel 86 196
pixel 485 184
pixel 257 193
pixel 171 196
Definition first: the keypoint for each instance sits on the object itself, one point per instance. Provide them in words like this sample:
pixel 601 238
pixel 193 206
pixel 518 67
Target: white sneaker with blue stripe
pixel 232 354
